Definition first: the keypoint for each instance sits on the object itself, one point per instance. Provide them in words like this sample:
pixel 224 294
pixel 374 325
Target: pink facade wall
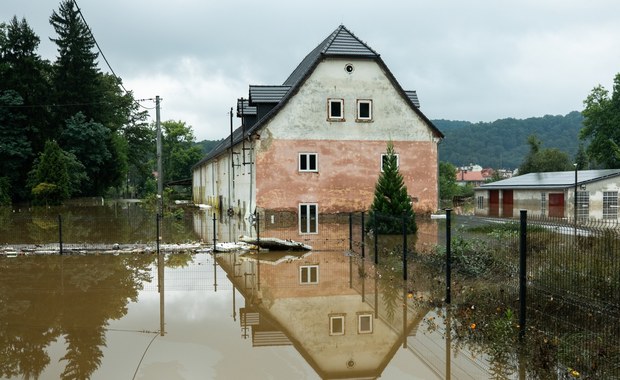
pixel 346 177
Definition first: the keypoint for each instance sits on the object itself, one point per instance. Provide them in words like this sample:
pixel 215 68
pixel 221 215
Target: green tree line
pixel 504 143
pixel 69 129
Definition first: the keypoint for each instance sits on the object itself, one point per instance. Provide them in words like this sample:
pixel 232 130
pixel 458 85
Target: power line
pixel 118 79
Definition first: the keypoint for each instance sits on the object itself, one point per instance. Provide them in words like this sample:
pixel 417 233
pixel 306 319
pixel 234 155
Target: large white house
pixel 315 144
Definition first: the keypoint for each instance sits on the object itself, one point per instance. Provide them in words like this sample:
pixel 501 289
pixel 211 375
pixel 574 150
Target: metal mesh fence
pixel 572 284
pixel 129 228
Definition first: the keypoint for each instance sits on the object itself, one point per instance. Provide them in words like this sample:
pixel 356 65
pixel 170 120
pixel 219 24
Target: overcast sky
pixel 469 60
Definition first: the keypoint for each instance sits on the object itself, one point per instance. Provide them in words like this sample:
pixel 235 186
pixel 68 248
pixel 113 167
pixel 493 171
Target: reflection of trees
pixel 44 297
pixel 178 260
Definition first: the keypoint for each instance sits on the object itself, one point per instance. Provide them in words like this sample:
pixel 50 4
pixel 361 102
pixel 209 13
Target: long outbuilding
pixel 580 194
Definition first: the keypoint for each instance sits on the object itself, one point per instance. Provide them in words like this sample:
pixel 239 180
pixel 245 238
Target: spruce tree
pixel 49 178
pixel 391 206
pixel 76 76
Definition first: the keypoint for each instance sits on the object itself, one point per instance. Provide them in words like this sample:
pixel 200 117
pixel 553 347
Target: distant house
pixel 473 175
pixel 553 195
pixel 466 177
pixel 315 144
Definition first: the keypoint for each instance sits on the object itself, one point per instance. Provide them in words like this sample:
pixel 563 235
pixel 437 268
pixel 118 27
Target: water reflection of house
pixel 307 301
pixel 315 144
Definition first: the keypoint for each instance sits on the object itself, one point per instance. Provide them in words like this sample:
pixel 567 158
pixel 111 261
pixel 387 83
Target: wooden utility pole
pixel 160 171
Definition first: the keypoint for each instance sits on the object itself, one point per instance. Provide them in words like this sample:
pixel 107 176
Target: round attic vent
pixel 349 68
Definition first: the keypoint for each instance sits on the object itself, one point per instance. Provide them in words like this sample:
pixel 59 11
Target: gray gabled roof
pixel 340 43
pixel 551 180
pixel 244 108
pixel 267 94
pixel 413 96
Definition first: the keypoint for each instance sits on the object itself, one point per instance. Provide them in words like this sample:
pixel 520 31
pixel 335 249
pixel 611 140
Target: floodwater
pixel 105 317
pixel 238 315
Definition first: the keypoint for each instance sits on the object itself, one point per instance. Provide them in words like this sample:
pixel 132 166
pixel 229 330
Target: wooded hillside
pixel 503 143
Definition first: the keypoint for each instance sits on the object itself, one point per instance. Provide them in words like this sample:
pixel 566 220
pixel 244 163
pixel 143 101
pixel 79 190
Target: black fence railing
pixel 555 283
pixel 128 230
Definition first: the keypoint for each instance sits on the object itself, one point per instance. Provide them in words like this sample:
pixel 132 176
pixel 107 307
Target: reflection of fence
pixel 570 285
pixel 92 230
pixel 332 229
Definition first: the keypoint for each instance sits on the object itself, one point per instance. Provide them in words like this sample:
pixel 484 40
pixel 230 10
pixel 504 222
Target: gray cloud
pixel 476 60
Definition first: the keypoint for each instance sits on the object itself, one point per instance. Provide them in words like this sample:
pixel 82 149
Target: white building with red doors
pixel 553 195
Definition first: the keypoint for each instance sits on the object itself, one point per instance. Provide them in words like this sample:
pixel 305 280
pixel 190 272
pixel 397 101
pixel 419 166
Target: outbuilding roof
pixel 551 180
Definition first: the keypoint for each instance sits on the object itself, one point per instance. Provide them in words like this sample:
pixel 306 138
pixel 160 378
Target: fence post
pixel 363 243
pixel 60 232
pixel 404 247
pixel 351 250
pixel 522 273
pixel 448 256
pixel 258 247
pixel 214 235
pixel 157 228
pixel 374 235
pixel 351 231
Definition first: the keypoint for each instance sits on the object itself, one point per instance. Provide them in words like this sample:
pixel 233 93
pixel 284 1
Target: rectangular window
pixel 610 205
pixel 308 162
pixel 583 205
pixel 364 110
pixel 309 274
pixel 335 109
pixel 308 218
pixel 384 161
pixel 336 324
pixel 480 202
pixel 543 204
pixel 364 323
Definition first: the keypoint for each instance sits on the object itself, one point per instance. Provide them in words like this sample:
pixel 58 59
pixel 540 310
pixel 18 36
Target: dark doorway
pixel 494 203
pixel 556 205
pixel 507 203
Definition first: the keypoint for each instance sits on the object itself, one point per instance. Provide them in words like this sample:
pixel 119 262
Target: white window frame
pixel 308 166
pixel 308 269
pixel 610 205
pixel 330 115
pixel 334 317
pixel 480 202
pixel 308 221
pixel 359 111
pixel 543 204
pixel 583 205
pixel 361 316
pixel 384 156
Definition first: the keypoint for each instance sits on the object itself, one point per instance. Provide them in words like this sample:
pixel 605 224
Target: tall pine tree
pixel 391 206
pixel 76 76
pixel 81 88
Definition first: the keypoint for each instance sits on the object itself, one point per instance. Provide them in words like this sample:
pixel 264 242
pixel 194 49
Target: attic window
pixel 364 110
pixel 335 109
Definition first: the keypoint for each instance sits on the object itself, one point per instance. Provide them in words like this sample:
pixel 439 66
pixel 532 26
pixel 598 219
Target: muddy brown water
pixel 188 317
pixel 195 316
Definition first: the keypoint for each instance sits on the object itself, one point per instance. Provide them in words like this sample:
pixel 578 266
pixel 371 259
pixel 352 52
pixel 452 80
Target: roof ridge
pixel 330 39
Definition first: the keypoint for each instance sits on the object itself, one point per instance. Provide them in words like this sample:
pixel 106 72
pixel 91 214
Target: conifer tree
pixel 391 205
pixel 77 78
pixel 50 176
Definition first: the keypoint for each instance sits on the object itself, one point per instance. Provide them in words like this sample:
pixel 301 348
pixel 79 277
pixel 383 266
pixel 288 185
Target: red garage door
pixel 507 203
pixel 494 203
pixel 556 205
